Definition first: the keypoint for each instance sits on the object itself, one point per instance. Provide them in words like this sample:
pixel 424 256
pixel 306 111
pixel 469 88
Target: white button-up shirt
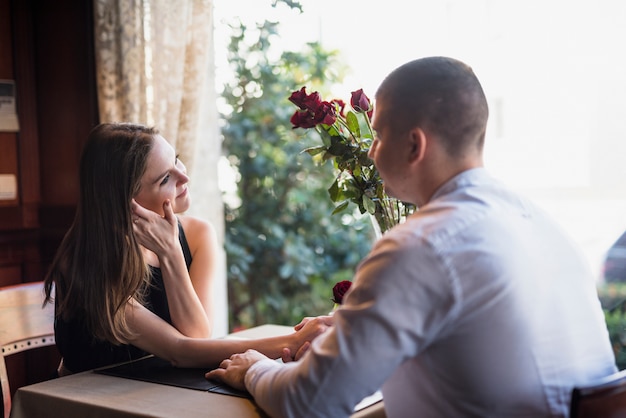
pixel 477 306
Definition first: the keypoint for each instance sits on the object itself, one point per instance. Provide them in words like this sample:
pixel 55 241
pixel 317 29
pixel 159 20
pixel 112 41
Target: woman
pixel 131 277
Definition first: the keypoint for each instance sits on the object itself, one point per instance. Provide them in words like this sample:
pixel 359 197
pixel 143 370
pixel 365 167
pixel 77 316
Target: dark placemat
pixel 155 370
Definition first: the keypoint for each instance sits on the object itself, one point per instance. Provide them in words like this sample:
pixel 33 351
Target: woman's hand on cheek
pixel 155 232
pixel 169 213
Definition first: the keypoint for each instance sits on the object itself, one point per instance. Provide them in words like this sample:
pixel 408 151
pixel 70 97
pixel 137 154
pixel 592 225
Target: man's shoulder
pixel 464 212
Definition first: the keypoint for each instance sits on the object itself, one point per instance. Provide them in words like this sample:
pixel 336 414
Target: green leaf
pixel 338 147
pixel 333 190
pixel 326 136
pixel 353 123
pixel 315 150
pixel 332 130
pixel 341 207
pixel 369 204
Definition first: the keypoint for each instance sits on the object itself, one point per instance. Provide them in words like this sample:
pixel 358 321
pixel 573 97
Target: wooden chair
pixel 605 398
pixel 24 325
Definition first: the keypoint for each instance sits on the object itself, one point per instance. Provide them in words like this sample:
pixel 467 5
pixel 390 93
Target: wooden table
pixel 90 394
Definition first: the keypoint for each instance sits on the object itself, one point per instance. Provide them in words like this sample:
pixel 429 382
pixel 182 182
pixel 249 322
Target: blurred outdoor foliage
pixel 284 249
pixel 613 299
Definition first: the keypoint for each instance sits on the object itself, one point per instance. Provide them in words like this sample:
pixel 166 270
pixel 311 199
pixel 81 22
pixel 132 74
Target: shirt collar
pixel 464 179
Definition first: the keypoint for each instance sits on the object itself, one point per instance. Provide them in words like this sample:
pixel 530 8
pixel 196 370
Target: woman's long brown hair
pixel 98 266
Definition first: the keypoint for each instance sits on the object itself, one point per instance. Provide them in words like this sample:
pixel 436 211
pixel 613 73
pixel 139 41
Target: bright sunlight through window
pixel 554 72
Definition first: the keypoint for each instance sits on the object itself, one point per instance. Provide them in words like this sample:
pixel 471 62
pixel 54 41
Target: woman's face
pixel 165 178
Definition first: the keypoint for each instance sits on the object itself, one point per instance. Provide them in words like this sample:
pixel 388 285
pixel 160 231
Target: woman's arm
pixel 157 337
pixel 206 256
pixel 189 301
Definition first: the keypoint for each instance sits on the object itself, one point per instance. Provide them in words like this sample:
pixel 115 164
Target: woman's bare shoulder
pixel 196 229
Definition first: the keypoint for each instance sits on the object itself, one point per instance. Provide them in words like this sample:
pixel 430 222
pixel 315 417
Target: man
pixel 478 305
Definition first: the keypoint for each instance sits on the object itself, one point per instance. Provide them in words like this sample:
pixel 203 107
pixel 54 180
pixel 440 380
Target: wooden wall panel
pixel 66 94
pixel 47 48
pixel 8 164
pixel 6 50
pixel 23 57
pixel 13 238
pixel 67 108
pixel 9 211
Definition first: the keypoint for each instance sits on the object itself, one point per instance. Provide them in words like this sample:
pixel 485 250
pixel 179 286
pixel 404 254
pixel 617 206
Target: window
pixel 554 72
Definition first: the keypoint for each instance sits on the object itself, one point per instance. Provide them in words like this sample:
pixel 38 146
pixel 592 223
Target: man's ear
pixel 417 144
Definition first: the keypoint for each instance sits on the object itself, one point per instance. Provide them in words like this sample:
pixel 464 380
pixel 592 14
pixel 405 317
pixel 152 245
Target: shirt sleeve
pixel 388 316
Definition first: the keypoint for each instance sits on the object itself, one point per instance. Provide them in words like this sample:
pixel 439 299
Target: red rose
pixel 303 119
pixel 325 113
pixel 305 101
pixel 298 97
pixel 359 101
pixel 312 102
pixel 339 290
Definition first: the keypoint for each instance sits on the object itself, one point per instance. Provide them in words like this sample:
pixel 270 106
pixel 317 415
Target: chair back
pixel 605 398
pixel 24 325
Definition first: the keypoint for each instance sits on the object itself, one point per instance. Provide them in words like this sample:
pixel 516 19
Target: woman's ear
pixel 417 144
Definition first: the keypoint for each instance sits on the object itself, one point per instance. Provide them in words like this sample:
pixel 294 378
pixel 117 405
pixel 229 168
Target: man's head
pixel 430 117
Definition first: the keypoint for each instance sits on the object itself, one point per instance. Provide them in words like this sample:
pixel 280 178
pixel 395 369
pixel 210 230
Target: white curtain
pixel 154 65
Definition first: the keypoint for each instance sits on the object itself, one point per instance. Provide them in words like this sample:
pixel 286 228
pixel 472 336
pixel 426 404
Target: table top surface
pixel 98 395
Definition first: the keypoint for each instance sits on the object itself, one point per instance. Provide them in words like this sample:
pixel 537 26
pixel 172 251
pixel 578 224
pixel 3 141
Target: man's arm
pixel 385 320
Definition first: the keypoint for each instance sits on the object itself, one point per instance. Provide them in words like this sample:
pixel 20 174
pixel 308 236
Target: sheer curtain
pixel 154 65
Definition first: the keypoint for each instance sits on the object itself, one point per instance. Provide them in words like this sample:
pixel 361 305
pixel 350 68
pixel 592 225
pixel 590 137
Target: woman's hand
pixel 326 319
pixel 306 331
pixel 156 233
pixel 188 291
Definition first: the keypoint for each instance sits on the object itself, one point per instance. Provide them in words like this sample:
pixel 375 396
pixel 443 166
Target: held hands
pixel 155 232
pixel 326 320
pixel 306 331
pixel 232 371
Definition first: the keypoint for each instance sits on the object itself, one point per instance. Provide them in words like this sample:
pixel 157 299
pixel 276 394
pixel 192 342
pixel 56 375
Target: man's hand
pixel 233 371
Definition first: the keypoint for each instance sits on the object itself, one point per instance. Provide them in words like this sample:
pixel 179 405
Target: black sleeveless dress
pixel 80 351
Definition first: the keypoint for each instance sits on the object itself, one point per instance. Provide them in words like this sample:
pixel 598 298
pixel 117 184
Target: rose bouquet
pixel 347 136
